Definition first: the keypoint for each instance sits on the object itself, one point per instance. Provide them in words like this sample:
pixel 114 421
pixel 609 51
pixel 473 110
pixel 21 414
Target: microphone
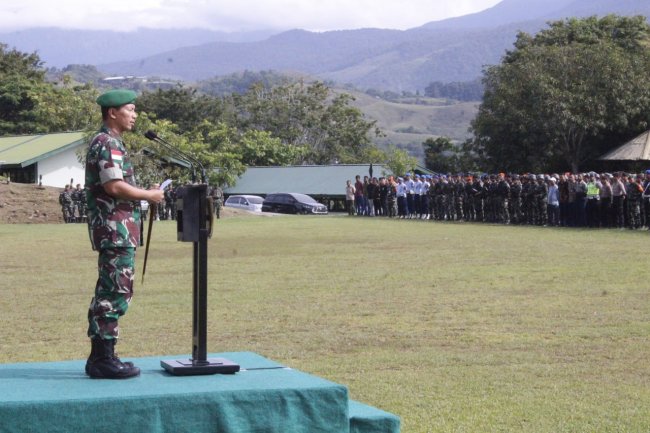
pixel 151 135
pixel 189 159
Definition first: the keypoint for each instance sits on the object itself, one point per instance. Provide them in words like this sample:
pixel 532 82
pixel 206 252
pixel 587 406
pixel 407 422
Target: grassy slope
pixel 455 327
pixel 411 124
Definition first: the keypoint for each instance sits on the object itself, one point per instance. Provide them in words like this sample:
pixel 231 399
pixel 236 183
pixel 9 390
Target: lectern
pixel 194 220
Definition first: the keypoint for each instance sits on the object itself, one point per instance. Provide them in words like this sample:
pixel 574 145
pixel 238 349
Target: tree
pixel 460 91
pixel 182 106
pixel 66 107
pixel 563 97
pixel 259 148
pixel 400 162
pixel 241 82
pixel 22 78
pixel 308 115
pixel 31 105
pixel 291 123
pixel 440 155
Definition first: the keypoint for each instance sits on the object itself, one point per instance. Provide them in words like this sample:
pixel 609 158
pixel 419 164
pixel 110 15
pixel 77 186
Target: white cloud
pixel 231 15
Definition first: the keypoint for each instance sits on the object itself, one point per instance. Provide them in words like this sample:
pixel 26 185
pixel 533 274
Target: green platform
pixel 264 397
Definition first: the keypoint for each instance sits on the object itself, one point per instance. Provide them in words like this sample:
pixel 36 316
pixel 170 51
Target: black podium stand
pixel 194 219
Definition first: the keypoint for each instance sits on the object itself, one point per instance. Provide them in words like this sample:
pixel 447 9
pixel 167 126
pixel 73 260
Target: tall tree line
pixel 563 97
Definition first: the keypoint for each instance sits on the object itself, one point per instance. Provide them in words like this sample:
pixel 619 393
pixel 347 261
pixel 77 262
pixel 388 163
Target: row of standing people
pixel 73 204
pixel 569 200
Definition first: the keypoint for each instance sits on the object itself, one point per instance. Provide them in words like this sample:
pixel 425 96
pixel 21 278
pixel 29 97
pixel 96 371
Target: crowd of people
pixel 607 200
pixel 73 204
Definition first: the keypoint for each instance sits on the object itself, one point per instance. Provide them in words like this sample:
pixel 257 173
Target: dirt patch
pixel 30 204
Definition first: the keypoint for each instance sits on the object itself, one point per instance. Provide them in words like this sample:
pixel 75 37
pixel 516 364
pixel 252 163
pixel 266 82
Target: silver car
pixel 252 203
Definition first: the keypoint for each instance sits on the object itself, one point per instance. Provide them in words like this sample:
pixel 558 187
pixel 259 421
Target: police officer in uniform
pixel 113 199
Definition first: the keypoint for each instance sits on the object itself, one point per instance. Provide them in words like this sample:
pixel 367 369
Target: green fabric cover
pixel 264 397
pixel 367 419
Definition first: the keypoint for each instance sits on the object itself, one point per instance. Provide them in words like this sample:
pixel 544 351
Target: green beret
pixel 116 98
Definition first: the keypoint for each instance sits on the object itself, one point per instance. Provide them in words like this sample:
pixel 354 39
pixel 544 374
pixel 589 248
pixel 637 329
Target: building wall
pixel 59 169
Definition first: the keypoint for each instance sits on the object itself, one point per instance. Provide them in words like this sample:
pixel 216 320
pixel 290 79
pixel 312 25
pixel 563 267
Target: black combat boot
pixel 127 363
pixel 103 363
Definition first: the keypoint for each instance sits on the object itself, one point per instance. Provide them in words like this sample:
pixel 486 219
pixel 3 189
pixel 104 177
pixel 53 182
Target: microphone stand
pixel 194 219
pixel 188 159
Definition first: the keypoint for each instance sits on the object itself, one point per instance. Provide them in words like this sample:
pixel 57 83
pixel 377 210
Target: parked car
pixel 251 203
pixel 291 202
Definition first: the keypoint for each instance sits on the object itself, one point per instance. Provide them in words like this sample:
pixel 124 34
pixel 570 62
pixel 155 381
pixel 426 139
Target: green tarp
pixel 264 397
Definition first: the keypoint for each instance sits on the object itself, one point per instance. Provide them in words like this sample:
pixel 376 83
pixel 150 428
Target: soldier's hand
pixel 155 195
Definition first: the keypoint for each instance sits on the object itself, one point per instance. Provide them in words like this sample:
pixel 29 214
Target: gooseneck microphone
pixel 189 159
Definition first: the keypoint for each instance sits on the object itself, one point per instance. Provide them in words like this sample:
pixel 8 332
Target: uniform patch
pixel 116 155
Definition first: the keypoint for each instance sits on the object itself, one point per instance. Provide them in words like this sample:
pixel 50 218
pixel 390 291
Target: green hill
pixel 411 121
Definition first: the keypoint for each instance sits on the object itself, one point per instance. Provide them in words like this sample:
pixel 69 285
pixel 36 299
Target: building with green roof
pixel 49 159
pixel 314 180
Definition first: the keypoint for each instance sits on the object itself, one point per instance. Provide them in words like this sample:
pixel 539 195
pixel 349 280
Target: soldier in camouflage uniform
pixel 646 199
pixel 491 207
pixel 67 206
pixel 541 197
pixel 170 202
pixel 79 201
pixel 114 227
pixel 501 201
pixel 468 199
pixel 459 198
pixel 515 200
pixel 528 199
pixel 634 190
pixel 479 198
pixel 436 198
pixel 217 199
pixel 446 203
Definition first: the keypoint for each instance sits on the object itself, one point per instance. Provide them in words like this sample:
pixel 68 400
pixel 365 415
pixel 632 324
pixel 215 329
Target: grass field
pixel 453 327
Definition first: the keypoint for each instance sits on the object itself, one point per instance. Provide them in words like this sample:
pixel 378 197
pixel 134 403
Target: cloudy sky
pixel 231 15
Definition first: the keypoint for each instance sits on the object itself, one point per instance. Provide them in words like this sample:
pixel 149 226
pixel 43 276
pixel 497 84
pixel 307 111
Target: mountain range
pixel 450 50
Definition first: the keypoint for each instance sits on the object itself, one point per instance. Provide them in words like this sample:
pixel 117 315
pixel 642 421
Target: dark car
pixel 291 202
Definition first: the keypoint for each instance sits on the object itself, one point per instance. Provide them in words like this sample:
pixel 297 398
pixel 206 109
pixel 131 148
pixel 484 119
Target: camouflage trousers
pixel 113 292
pixel 633 214
pixel 68 212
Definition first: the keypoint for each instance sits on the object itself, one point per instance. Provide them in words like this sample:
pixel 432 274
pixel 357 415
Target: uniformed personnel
pixel 113 199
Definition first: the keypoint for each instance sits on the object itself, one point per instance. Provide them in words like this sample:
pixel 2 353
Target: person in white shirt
pixel 553 203
pixel 417 189
pixel 349 197
pixel 410 193
pixel 424 198
pixel 402 192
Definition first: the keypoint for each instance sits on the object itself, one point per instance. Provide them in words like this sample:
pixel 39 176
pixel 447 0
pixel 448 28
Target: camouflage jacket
pixel 112 222
pixel 65 198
